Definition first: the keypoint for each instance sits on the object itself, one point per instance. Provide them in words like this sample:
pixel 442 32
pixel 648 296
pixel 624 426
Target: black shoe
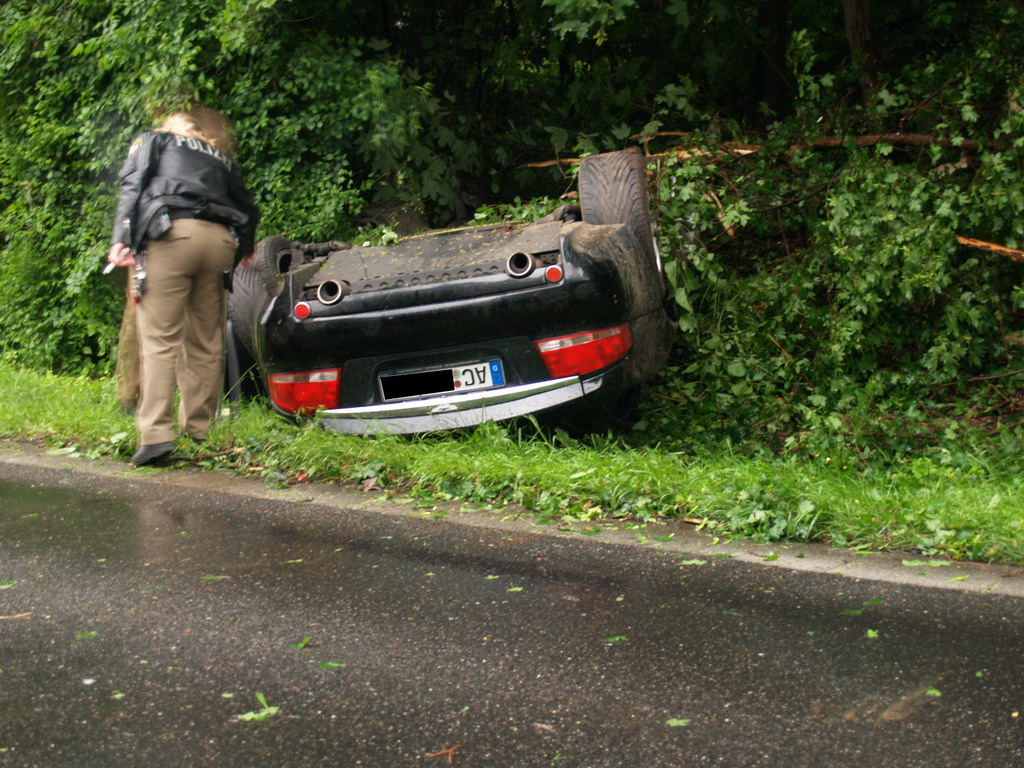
pixel 148 454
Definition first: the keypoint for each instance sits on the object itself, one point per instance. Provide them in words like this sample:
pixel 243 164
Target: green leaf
pixel 621 131
pixel 926 563
pixel 676 722
pixel 331 665
pixel 614 639
pixel 737 369
pixel 683 300
pixel 259 714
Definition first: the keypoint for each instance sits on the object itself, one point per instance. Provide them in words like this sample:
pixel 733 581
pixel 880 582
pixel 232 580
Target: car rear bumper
pixel 454 411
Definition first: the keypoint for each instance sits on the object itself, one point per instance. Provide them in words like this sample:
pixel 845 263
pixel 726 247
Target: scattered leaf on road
pixel 259 714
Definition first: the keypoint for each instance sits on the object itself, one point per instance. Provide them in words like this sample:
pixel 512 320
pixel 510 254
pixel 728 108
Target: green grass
pixel 953 503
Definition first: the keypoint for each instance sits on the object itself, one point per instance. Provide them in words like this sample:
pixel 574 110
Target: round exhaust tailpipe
pixel 332 291
pixel 520 264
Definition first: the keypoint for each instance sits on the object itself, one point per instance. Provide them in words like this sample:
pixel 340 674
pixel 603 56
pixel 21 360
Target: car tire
pixel 248 292
pixel 613 190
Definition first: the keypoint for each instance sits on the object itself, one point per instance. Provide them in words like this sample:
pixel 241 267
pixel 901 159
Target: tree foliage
pixel 828 288
pixel 818 277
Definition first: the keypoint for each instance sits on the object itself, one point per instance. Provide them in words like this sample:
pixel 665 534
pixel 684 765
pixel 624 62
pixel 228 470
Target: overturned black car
pixel 565 318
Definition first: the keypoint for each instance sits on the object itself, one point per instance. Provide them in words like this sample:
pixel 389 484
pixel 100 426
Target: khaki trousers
pixel 181 329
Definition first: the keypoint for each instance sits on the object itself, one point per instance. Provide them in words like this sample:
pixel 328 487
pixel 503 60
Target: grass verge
pixel 964 509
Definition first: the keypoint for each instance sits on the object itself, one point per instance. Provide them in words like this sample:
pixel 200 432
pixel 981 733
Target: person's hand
pixel 247 261
pixel 120 255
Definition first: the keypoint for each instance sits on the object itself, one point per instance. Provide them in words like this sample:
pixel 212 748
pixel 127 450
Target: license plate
pixel 462 378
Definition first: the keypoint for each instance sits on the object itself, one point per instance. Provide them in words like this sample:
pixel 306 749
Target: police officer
pixel 184 209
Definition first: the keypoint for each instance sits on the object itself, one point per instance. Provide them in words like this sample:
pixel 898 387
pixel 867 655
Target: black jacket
pixel 165 172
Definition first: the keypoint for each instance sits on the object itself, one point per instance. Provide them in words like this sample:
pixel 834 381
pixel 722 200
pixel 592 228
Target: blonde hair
pixel 204 124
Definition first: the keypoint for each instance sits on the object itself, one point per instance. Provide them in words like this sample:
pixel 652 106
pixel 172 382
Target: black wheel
pixel 613 190
pixel 248 294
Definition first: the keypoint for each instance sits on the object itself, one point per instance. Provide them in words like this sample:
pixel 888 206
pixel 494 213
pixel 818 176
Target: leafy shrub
pixel 822 288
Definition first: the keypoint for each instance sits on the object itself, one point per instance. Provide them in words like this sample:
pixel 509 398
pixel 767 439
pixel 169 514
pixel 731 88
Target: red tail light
pixel 307 391
pixel 585 352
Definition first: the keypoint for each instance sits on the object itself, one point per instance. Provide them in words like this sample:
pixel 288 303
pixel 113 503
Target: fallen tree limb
pixel 549 163
pixel 724 147
pixel 739 149
pixel 1002 250
pixel 993 376
pixel 896 139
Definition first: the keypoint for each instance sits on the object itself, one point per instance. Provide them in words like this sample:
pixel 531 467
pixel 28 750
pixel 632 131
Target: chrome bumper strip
pixel 452 411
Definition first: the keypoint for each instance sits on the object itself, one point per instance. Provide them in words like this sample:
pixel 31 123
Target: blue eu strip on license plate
pixel 497 375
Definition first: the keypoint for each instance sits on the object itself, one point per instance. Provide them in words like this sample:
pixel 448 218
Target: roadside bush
pixel 824 296
pixel 320 119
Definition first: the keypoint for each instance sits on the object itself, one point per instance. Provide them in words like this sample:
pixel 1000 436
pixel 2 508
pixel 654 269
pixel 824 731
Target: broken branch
pixel 447 752
pixel 1002 250
pixel 896 139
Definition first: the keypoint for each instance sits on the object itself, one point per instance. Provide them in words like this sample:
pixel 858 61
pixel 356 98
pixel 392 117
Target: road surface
pixel 142 615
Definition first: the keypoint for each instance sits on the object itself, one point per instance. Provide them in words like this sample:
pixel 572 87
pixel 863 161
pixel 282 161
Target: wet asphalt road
pixel 138 619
